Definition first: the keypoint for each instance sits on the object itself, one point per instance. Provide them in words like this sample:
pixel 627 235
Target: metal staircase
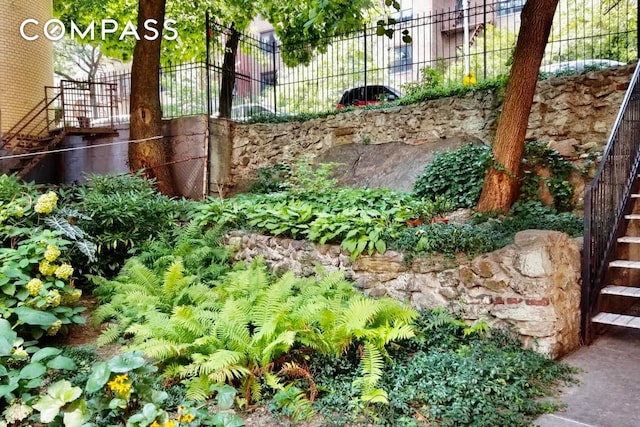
pixel 63 111
pixel 611 254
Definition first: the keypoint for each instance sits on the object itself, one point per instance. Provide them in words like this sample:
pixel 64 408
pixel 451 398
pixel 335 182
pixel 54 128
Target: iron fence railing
pixel 436 56
pixel 606 198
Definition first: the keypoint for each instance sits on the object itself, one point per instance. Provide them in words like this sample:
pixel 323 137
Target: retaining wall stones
pixel 531 286
pixel 574 113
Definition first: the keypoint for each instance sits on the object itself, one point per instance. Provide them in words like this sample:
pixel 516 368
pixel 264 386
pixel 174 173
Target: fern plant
pixel 250 329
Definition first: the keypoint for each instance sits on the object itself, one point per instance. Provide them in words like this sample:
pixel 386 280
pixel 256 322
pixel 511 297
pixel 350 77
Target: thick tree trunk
pixel 228 73
pixel 146 114
pixel 500 188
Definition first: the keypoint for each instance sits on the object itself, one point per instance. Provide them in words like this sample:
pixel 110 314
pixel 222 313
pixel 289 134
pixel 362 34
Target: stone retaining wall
pixel 575 112
pixel 531 285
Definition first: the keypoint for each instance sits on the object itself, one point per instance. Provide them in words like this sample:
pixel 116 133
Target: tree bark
pixel 146 114
pixel 501 185
pixel 228 73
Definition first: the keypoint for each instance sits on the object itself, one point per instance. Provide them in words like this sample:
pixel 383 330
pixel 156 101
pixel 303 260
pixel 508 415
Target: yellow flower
pixel 53 298
pixel 155 424
pixel 53 329
pixel 34 287
pixel 46 203
pixel 71 297
pixel 47 268
pixel 469 79
pixel 120 387
pixel 170 423
pixel 51 253
pixel 64 271
pixel 186 418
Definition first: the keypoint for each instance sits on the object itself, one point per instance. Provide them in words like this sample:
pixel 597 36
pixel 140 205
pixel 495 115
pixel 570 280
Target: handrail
pixel 606 198
pixel 28 120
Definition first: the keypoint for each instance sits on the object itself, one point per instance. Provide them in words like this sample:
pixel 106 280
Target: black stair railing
pixel 605 200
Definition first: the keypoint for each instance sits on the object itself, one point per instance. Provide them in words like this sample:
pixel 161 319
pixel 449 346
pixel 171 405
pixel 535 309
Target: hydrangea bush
pixel 37 290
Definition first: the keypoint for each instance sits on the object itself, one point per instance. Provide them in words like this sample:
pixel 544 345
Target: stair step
pixel 617 320
pixel 629 239
pixel 623 291
pixel 624 264
pixel 635 196
pixel 632 216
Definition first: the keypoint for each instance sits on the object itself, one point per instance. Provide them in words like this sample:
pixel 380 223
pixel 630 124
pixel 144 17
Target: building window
pixel 405 13
pixel 267 40
pixel 402 58
pixel 267 79
pixel 505 7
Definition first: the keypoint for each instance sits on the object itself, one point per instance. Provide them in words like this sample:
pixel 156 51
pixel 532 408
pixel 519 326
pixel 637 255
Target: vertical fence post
pixel 484 37
pixel 208 61
pixel 275 75
pixel 365 63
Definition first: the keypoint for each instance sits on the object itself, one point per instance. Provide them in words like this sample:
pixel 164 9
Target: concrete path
pixel 608 394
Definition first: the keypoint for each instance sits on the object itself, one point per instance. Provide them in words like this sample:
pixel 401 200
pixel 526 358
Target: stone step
pixel 615 319
pixel 623 291
pixel 632 216
pixel 629 239
pixel 620 263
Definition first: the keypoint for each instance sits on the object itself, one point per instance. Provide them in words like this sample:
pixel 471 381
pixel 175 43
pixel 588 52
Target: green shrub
pixel 459 175
pixel 39 239
pixel 251 328
pixel 125 211
pixel 456 175
pixel 449 374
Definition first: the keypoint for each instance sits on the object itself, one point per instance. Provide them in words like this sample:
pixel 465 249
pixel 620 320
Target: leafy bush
pixel 450 374
pixel 457 175
pixel 125 211
pixel 484 233
pixel 250 329
pixel 37 292
pixel 23 368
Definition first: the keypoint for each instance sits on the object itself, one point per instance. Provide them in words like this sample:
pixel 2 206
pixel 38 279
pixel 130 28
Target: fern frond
pixel 161 349
pixel 281 344
pixel 371 367
pixel 198 388
pixel 141 275
pixel 173 279
pixel 109 335
pixel 208 364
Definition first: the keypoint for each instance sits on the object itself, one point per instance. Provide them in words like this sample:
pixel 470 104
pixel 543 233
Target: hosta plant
pixel 23 369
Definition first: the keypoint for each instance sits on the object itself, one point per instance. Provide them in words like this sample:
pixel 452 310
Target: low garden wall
pixel 531 286
pixel 574 113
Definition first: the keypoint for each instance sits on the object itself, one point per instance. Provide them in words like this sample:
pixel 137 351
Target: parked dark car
pixel 367 95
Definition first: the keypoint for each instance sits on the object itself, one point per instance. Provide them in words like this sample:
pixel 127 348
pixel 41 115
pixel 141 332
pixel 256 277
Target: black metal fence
pixel 606 198
pixel 437 56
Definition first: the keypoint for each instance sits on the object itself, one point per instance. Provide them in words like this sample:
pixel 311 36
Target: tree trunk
pixel 146 114
pixel 501 185
pixel 228 73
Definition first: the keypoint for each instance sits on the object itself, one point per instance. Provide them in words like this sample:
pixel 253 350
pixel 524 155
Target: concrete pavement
pixel 608 394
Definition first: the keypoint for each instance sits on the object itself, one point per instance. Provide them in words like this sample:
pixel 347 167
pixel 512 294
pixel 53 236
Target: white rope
pixel 63 150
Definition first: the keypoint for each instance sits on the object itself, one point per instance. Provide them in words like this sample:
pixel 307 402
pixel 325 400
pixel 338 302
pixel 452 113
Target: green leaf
pixel 381 246
pixel 62 362
pixel 225 397
pixel 49 408
pixel 126 362
pixel 76 414
pixel 32 370
pixel 5 347
pixel 9 289
pixel 34 317
pixel 225 419
pixel 99 376
pixel 43 353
